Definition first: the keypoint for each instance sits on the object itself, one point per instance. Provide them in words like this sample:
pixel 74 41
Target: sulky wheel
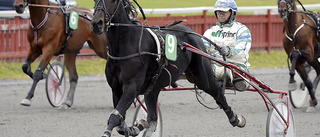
pixel 55 84
pixel 276 126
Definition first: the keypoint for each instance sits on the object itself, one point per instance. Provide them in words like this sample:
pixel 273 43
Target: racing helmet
pixel 226 5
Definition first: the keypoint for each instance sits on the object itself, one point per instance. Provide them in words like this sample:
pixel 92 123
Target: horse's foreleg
pixel 37 76
pixel 115 119
pixel 26 67
pixel 73 79
pixel 293 57
pixel 117 116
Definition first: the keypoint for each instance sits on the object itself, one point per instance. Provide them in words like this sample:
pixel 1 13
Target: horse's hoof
pixel 292 86
pixel 313 103
pixel 142 123
pixel 25 102
pixel 152 127
pixel 63 106
pixel 242 121
pixel 311 109
pixel 106 134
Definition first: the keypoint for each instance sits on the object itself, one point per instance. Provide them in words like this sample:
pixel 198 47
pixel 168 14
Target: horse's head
pixel 285 7
pixel 19 5
pixel 103 12
pixel 106 10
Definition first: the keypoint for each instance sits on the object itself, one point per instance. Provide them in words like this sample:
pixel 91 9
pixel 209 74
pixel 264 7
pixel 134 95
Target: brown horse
pixel 301 44
pixel 47 36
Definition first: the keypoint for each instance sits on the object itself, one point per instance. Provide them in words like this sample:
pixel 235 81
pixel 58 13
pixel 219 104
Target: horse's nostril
pixel 20 5
pixel 100 23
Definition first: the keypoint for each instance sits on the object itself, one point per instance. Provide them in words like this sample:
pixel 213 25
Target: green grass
pixel 95 66
pixel 13 70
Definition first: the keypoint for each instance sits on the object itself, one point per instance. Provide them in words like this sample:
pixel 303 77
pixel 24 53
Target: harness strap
pixel 157 42
pixel 295 33
pixel 35 29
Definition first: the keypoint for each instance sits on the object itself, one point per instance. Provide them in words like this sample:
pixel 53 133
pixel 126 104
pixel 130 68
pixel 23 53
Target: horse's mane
pixel 130 9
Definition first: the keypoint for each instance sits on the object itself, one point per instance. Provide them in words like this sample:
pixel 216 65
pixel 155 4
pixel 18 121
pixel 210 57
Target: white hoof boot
pixel 25 102
pixel 311 109
pixel 292 86
pixel 242 121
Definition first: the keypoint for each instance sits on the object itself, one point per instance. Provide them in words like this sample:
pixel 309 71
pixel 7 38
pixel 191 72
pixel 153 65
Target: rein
pixel 57 7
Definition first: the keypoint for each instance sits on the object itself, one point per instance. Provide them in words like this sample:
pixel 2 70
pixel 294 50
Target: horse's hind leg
pixel 205 81
pixel 316 80
pixel 70 61
pixel 234 119
pixel 151 100
pixel 304 76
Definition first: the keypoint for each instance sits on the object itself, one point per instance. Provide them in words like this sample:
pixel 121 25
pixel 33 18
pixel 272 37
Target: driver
pixel 234 40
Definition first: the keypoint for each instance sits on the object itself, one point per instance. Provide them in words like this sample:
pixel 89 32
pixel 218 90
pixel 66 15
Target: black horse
pixel 135 66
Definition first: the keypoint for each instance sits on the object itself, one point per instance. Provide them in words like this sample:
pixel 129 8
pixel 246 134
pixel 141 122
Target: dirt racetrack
pixel 182 115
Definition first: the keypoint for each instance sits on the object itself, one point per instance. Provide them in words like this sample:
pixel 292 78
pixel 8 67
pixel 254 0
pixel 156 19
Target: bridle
pixel 108 17
pixel 26 3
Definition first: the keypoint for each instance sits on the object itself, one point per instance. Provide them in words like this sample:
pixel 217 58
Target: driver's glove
pixel 225 50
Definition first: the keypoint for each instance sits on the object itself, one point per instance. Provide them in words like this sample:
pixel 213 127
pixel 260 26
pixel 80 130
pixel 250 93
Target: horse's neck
pixel 294 20
pixel 119 32
pixel 37 14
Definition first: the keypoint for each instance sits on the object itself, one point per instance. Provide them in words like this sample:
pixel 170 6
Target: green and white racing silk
pixel 234 35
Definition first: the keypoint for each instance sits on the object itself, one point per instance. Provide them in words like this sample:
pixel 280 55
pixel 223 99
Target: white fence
pixel 254 9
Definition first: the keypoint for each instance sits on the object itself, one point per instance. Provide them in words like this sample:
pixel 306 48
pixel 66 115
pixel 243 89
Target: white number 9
pixel 171 43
